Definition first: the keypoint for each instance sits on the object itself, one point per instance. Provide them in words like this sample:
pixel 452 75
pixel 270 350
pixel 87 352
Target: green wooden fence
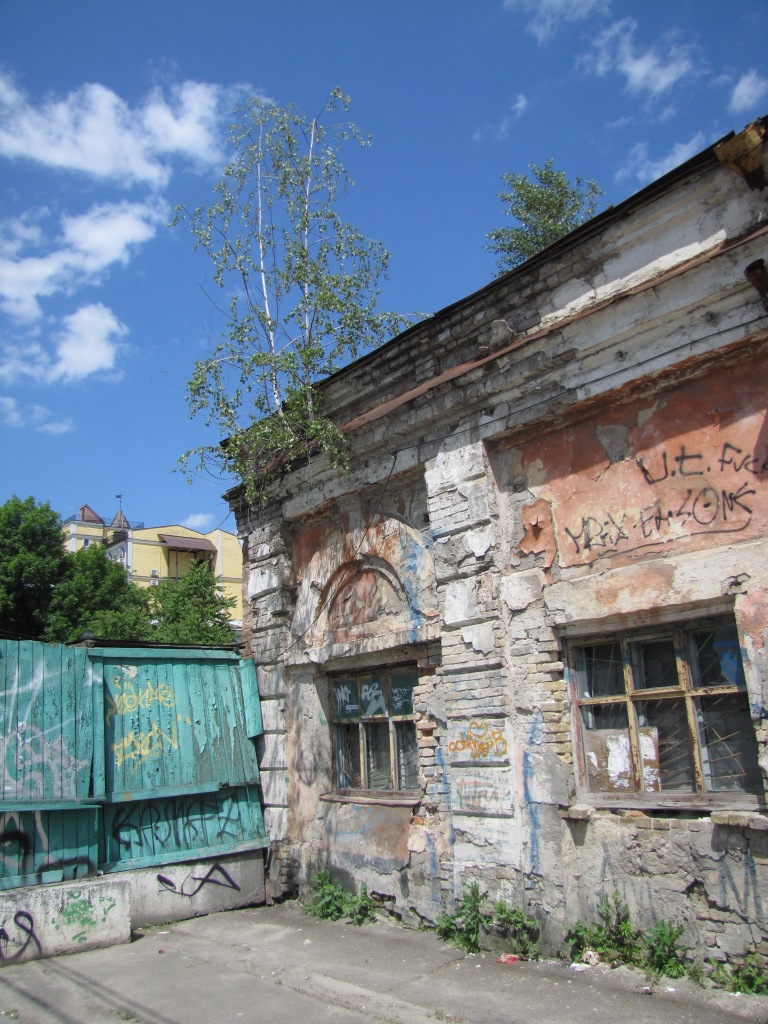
pixel 115 758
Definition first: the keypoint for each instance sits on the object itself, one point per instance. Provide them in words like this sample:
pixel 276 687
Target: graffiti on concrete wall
pixel 693 492
pixel 192 884
pixel 16 936
pixel 479 741
pixel 482 792
pixel 686 469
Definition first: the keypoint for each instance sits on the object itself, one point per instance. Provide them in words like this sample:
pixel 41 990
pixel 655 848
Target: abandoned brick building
pixel 523 640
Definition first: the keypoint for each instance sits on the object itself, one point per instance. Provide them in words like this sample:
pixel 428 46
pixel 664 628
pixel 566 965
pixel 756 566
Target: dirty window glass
pixel 374 731
pixel 692 735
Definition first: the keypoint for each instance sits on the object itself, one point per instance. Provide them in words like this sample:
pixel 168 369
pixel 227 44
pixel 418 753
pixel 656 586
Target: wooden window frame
pixel 686 691
pixel 386 678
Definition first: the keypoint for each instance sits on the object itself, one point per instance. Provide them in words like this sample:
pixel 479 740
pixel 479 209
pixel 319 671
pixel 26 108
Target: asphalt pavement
pixel 275 965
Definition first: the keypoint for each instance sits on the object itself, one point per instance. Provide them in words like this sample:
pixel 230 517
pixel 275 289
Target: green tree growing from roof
pixel 546 206
pixel 301 289
pixel 32 560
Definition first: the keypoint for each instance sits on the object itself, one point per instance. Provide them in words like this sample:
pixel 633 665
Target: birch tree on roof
pixel 300 287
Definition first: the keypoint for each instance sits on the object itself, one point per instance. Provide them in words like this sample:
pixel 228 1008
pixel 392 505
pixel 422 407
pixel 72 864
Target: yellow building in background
pixel 151 554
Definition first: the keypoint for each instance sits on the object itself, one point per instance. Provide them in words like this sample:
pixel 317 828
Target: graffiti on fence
pixel 177 823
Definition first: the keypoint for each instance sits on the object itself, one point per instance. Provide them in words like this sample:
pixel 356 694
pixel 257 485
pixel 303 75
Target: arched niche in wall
pixel 365 587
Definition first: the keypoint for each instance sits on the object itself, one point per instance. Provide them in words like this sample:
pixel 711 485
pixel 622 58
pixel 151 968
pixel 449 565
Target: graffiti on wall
pixel 688 468
pixel 482 791
pixel 192 884
pixel 478 741
pixel 16 936
pixel 26 852
pixel 692 492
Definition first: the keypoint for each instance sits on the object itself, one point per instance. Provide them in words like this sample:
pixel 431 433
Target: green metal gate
pixel 116 758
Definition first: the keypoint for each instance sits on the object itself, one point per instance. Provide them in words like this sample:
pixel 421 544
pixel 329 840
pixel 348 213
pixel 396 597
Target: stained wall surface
pixel 555 519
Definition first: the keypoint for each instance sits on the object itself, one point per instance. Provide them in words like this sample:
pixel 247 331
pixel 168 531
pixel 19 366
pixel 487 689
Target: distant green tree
pixel 546 206
pixel 32 560
pixel 95 594
pixel 191 610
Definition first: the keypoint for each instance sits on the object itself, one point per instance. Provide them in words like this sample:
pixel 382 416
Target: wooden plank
pixel 136 654
pixel 246 693
pixel 202 757
pixel 28 755
pixel 257 843
pixel 250 690
pixel 180 717
pixel 232 723
pixel 80 668
pixel 8 669
pixel 94 672
pixel 57 744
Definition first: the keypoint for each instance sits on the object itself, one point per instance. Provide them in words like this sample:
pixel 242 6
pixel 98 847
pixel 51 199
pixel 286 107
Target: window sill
pixel 752 816
pixel 728 802
pixel 385 798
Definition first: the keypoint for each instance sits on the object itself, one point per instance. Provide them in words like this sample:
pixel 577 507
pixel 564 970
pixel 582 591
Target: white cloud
pixel 501 130
pixel 36 416
pixel 88 343
pixel 200 521
pixel 88 245
pixel 640 166
pixel 748 92
pixel 646 72
pixel 547 16
pixel 94 131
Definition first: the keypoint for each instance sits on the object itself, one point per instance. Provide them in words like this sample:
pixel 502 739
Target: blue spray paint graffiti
pixel 413 556
pixel 535 735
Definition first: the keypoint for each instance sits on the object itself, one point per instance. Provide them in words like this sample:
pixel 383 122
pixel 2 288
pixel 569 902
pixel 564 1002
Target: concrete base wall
pixel 177 891
pixel 48 920
pixel 43 921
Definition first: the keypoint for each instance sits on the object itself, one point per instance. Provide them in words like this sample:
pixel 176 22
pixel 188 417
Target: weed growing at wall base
pixel 330 902
pixel 750 976
pixel 465 927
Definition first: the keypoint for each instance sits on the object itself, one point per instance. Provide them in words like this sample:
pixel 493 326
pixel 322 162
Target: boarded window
pixel 665 711
pixel 374 731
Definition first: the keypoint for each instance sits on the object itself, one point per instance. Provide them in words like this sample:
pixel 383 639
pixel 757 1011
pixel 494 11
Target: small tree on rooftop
pixel 301 287
pixel 546 206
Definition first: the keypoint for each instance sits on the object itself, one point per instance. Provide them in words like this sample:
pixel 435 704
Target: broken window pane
pixel 655 663
pixel 728 745
pixel 348 774
pixel 407 755
pixel 669 748
pixel 607 748
pixel 378 762
pixel 717 657
pixel 601 673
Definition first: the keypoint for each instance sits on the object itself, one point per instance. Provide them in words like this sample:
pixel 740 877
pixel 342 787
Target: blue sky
pixel 112 113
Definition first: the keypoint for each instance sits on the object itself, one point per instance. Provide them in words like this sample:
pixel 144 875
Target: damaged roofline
pixel 706 158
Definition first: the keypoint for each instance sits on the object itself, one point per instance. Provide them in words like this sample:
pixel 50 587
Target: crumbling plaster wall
pixel 462 410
